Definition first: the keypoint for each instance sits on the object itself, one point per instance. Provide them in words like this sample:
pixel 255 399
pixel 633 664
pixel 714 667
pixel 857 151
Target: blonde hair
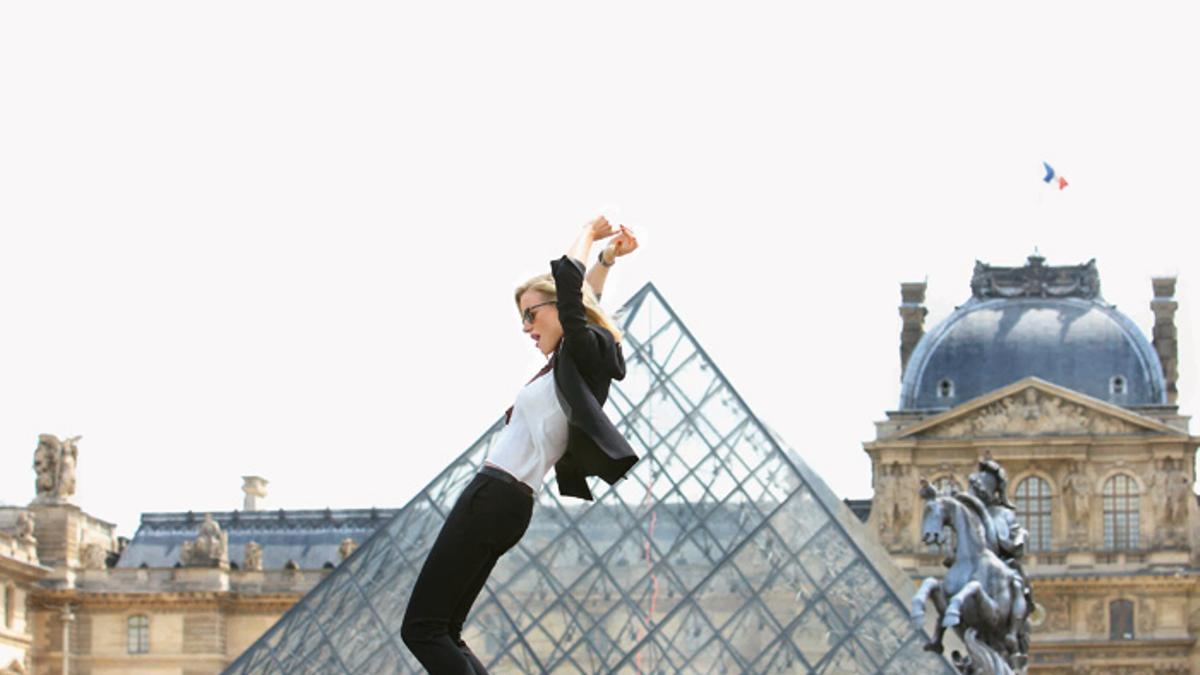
pixel 544 284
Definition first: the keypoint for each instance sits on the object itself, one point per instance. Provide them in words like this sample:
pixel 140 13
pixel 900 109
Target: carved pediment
pixel 1034 411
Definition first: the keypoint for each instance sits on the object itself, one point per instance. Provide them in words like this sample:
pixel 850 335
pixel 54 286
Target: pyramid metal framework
pixel 720 552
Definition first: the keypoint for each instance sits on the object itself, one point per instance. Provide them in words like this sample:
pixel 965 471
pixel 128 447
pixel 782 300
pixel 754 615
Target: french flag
pixel 1053 177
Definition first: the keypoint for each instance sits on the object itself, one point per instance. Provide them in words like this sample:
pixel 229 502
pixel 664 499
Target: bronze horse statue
pixel 980 591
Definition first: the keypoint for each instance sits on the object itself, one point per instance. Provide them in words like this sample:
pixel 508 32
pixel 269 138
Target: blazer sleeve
pixel 581 344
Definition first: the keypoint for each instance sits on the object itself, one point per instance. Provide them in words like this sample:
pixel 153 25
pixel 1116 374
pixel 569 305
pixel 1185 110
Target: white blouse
pixel 536 435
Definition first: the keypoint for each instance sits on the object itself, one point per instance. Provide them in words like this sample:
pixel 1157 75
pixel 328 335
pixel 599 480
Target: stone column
pixel 67 618
pixel 912 311
pixel 1166 341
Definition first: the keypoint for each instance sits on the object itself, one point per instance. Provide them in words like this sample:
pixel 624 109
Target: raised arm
pixel 622 244
pixel 568 278
pixel 594 231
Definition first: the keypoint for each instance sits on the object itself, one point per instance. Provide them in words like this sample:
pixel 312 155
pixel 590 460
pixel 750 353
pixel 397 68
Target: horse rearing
pixel 979 590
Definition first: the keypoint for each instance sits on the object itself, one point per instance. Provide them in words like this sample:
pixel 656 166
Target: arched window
pixel 1033 510
pixel 945 388
pixel 1120 512
pixel 138 638
pixel 1120 620
pixel 1116 385
pixel 944 485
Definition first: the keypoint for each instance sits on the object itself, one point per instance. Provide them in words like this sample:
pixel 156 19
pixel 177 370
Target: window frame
pixel 1120 616
pixel 1039 521
pixel 1118 385
pixel 137 634
pixel 1120 496
pixel 945 388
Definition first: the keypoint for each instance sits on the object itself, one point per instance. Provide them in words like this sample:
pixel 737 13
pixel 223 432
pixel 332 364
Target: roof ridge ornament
pixel 1036 279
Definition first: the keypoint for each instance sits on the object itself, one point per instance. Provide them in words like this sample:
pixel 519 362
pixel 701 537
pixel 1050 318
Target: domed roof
pixel 1047 322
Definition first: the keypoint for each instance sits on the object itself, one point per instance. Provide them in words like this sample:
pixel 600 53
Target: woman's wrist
pixel 601 259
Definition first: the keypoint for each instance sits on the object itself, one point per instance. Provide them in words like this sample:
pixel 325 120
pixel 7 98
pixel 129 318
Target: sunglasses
pixel 528 314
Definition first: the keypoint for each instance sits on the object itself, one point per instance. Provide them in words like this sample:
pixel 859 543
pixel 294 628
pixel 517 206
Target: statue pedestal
pixel 56 528
pixel 1168 558
pixel 201 579
pixel 249 581
pixel 61 578
pixel 1081 559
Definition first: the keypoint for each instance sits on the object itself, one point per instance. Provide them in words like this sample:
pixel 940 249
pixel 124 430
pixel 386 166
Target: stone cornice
pixel 23 571
pixel 1044 388
pixel 1043 645
pixel 1189 443
pixel 146 661
pixel 241 602
pixel 12 636
pixel 1189 580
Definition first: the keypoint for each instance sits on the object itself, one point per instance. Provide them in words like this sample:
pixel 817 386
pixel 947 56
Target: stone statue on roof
pixel 252 557
pixel 347 547
pixel 26 527
pixel 54 463
pixel 210 548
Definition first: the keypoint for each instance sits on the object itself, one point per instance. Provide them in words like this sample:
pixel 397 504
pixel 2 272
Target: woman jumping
pixel 556 421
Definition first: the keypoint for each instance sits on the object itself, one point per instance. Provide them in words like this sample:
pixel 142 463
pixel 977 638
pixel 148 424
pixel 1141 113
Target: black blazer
pixel 588 360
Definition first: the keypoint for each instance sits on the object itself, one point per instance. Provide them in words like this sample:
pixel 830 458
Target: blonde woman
pixel 557 421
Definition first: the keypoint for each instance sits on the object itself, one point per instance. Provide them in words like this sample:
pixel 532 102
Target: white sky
pixel 280 238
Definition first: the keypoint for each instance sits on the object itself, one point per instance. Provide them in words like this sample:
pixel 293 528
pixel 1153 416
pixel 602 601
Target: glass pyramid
pixel 720 552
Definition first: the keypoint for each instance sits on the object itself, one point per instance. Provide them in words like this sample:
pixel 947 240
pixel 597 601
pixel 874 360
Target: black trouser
pixel 488 519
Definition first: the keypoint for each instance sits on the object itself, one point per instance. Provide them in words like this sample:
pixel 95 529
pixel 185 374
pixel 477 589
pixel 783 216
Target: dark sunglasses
pixel 528 314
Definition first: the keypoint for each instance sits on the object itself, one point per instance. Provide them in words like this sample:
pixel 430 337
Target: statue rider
pixel 990 485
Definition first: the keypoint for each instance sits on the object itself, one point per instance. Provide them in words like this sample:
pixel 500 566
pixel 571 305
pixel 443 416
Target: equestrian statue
pixel 984 597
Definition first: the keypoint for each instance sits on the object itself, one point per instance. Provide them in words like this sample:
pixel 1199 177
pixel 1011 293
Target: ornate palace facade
pixel 1080 408
pixel 188 594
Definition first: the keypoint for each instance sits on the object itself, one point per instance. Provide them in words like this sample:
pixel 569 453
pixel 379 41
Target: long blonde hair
pixel 544 284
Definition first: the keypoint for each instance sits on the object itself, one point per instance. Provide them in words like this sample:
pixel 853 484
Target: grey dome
pixel 1078 343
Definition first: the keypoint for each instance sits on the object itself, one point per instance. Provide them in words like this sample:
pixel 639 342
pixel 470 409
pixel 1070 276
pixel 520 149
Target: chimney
pixel 1166 341
pixel 912 311
pixel 255 488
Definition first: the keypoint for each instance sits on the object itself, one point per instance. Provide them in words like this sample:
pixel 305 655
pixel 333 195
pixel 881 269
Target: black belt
pixel 504 476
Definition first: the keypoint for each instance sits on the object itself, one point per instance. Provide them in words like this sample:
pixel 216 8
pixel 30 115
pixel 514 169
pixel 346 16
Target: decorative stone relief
pixel 25 527
pixel 1058 613
pixel 1169 489
pixel 93 557
pixel 1030 413
pixel 1096 622
pixel 210 548
pixel 252 557
pixel 894 502
pixel 54 464
pixel 1147 616
pixel 347 548
pixel 1077 495
pixel 1036 279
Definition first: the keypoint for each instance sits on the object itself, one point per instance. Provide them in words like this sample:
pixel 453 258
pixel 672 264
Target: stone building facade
pixel 19 573
pixel 1080 408
pixel 185 596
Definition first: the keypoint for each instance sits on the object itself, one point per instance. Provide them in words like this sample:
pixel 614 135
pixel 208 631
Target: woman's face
pixel 544 329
